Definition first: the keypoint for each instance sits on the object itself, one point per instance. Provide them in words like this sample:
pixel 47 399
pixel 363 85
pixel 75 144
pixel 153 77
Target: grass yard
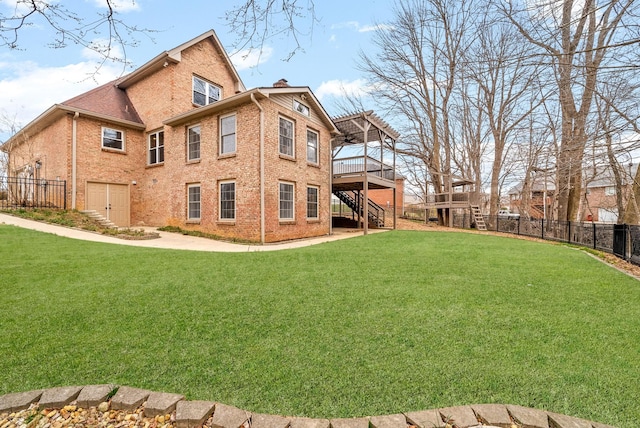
pixel 374 325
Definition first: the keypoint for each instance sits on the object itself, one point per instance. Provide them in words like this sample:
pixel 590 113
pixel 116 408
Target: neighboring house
pixel 181 142
pixel 385 197
pixel 598 204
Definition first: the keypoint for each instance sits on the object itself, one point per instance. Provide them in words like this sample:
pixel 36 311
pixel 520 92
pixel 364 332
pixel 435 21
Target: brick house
pixel 181 142
pixel 599 198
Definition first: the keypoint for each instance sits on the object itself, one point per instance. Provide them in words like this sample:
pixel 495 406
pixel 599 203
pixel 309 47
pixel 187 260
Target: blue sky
pixel 35 77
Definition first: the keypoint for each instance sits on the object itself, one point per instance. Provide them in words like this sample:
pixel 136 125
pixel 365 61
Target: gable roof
pixel 174 56
pixel 245 97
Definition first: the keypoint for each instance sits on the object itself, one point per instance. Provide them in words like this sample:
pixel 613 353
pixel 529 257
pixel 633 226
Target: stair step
pixel 478 217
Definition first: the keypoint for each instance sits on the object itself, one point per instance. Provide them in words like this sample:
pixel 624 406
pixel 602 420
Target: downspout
pixel 74 147
pixel 262 210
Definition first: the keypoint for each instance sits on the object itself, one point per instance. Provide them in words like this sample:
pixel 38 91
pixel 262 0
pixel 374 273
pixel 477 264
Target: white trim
pixel 235 133
pixel 235 199
pixel 188 154
pixel 157 133
pixel 122 139
pixel 317 146
pixel 317 188
pixel 293 137
pixel 293 201
pixel 189 187
pixel 207 93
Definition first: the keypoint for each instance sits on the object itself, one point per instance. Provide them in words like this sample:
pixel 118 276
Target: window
pixel 286 137
pixel 228 200
pixel 286 201
pixel 193 206
pixel 610 191
pixel 312 146
pixel 228 134
pixel 112 139
pixel 312 202
pixel 156 148
pixel 193 143
pixel 300 108
pixel 205 93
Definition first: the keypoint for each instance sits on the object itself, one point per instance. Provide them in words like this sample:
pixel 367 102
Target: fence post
pixel 627 242
pixel 594 236
pixel 518 225
pixel 542 229
pixel 569 231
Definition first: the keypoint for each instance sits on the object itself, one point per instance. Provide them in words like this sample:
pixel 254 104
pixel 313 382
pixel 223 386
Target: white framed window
pixel 312 146
pixel 300 108
pixel 156 148
pixel 286 195
pixel 193 143
pixel 228 134
pixel 286 132
pixel 193 202
pixel 112 139
pixel 610 191
pixel 228 200
pixel 312 202
pixel 205 93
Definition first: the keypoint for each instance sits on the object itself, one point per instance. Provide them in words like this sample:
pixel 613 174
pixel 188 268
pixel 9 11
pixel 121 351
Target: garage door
pixel 109 200
pixel 608 215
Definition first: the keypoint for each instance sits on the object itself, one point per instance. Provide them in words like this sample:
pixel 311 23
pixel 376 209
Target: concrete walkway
pixel 177 241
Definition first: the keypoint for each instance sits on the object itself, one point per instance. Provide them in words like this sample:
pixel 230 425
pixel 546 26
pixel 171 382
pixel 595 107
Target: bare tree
pixel 106 33
pixel 414 74
pixel 576 38
pixel 254 22
pixel 8 125
pixel 508 90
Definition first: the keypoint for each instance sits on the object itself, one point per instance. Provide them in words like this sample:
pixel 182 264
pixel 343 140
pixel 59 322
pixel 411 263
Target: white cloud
pixel 377 27
pixel 28 89
pixel 250 58
pixel 341 88
pixel 120 5
pixel 355 25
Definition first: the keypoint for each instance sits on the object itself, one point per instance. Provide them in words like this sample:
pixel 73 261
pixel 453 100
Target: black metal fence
pixel 622 240
pixel 29 193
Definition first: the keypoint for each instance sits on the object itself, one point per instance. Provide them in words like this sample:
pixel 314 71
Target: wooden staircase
pixel 478 217
pixel 375 211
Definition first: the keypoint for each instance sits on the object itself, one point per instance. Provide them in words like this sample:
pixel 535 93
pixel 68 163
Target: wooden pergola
pixel 361 173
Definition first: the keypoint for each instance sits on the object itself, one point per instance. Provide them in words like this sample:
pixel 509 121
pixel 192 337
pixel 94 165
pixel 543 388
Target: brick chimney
pixel 282 83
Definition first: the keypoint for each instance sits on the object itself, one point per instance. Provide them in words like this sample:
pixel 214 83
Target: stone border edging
pixel 191 414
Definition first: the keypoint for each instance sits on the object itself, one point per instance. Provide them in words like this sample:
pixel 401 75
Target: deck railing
pixel 357 166
pixel 454 199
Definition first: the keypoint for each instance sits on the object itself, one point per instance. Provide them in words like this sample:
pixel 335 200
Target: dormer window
pixel 205 93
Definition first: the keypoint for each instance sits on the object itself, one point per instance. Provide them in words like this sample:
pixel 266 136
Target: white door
pixel 109 200
pixel 608 215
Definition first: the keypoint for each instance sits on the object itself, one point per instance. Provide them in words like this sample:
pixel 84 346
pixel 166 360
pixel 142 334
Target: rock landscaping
pixel 119 407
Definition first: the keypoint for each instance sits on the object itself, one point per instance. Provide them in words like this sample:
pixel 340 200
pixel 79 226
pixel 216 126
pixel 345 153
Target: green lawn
pixel 381 324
